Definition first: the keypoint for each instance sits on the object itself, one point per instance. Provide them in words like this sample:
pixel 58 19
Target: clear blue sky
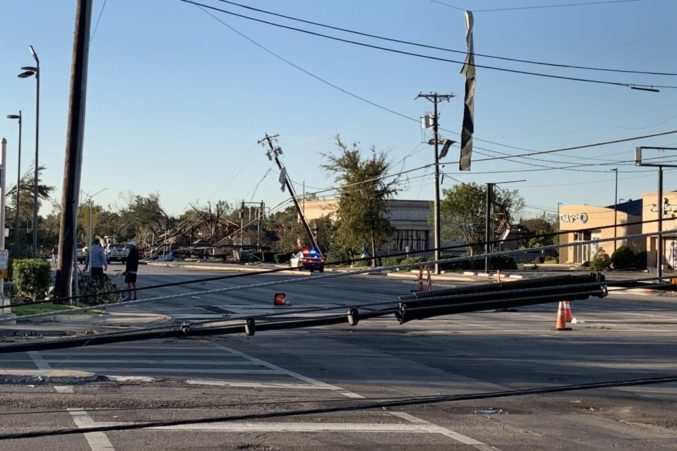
pixel 177 99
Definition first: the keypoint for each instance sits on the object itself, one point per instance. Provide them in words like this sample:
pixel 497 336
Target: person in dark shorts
pixel 131 268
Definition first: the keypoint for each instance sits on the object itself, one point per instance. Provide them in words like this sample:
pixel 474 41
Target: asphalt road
pixel 486 380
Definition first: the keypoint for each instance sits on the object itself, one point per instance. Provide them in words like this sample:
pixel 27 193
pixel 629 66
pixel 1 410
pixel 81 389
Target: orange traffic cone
pixel 279 299
pixel 568 315
pixel 561 323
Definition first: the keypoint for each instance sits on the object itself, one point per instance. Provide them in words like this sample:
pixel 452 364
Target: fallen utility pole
pixel 273 153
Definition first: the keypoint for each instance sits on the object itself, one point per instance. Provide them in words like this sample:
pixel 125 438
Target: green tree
pixel 362 210
pixel 144 219
pixel 541 231
pixel 288 229
pixel 463 213
pixel 26 202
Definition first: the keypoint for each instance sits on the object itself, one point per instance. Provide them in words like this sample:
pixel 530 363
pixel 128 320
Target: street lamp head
pixel 14 116
pixel 27 73
pixel 35 55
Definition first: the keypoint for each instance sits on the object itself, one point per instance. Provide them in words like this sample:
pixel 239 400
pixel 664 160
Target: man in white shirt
pixel 96 262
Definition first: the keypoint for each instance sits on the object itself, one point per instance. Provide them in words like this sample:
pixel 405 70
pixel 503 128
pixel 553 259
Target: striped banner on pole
pixel 468 70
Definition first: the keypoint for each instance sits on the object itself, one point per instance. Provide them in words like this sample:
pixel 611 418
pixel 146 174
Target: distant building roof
pixel 630 207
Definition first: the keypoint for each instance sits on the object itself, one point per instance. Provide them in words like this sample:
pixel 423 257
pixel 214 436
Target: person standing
pixel 96 262
pixel 131 268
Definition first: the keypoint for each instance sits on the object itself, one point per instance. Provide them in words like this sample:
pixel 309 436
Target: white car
pixel 116 252
pixel 81 252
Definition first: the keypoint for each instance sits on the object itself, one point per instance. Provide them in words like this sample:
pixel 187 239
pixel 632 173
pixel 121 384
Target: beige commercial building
pixel 594 228
pixel 668 225
pixel 411 219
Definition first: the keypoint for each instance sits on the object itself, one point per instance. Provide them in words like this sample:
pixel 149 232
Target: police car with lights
pixel 307 259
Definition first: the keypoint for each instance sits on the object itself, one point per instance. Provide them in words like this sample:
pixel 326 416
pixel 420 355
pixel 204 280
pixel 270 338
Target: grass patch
pixel 34 309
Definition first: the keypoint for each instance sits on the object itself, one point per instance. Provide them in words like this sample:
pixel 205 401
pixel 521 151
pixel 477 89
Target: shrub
pixel 32 277
pixel 601 261
pixel 623 258
pixel 391 261
pixel 412 260
pixel 502 262
pixel 92 294
pixel 339 255
pixel 282 257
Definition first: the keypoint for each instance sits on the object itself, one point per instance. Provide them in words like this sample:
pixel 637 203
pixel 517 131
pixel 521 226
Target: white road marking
pixel 276 386
pixel 417 422
pixel 277 369
pixel 444 431
pixel 418 427
pixel 40 363
pixel 98 441
pixel 119 370
pixel 349 394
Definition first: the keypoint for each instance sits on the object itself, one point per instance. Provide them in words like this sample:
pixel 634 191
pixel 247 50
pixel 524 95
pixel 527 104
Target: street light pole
pixel 615 209
pixel 30 71
pixel 659 247
pixel 487 225
pixel 90 205
pixel 18 185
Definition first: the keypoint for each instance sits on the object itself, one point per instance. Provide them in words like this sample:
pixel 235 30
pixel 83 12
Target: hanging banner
pixel 283 178
pixel 468 70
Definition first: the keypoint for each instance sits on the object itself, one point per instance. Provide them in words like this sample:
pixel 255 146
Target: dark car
pixel 307 259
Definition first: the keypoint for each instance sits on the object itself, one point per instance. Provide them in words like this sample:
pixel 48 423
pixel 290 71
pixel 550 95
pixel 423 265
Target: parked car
pixel 307 259
pixel 116 253
pixel 81 252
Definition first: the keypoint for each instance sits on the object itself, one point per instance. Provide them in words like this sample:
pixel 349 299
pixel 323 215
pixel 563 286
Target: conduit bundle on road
pixel 425 304
pixel 418 305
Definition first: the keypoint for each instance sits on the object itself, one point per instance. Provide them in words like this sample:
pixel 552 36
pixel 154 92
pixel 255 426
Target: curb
pixel 46 377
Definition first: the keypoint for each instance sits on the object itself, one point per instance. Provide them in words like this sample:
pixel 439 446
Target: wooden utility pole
pixel 436 98
pixel 73 160
pixel 273 154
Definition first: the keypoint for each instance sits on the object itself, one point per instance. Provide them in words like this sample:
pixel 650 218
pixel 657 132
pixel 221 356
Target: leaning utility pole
pixel 73 162
pixel 436 98
pixel 273 153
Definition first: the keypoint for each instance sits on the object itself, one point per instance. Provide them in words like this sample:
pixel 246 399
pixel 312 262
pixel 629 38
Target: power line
pixel 518 8
pixel 585 146
pixel 98 19
pixel 652 87
pixel 443 49
pixel 322 80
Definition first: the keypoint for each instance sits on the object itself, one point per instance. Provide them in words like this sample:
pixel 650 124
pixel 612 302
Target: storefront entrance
pixel 585 252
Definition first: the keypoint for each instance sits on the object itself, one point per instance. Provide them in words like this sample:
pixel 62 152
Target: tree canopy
pixel 463 213
pixel 362 221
